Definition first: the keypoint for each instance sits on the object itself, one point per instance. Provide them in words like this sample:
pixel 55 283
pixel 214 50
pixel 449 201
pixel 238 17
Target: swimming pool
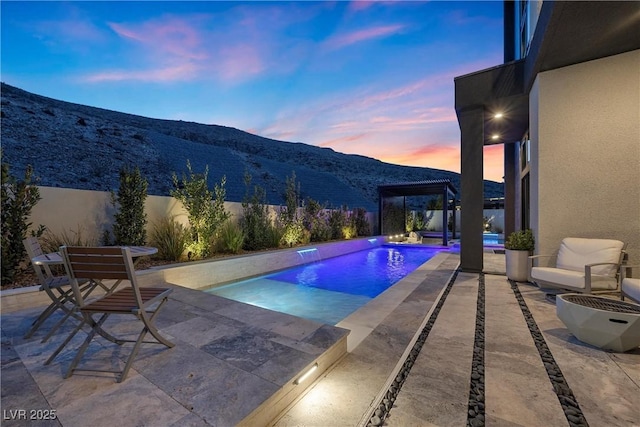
pixel 329 290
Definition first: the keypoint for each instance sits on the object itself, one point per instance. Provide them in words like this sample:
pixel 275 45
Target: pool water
pixel 329 290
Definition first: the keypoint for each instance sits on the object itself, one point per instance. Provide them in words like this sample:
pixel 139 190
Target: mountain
pixel 77 146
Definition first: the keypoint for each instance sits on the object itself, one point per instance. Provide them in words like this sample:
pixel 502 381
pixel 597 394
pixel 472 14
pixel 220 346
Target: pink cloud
pixel 341 141
pixel 173 36
pixel 342 40
pixel 181 72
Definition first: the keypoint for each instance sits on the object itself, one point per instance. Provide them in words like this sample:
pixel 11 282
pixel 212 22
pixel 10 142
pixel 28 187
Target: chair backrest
pixel 34 249
pixel 577 252
pixel 97 264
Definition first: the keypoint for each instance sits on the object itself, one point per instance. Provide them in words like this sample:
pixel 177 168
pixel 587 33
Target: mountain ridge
pixel 78 146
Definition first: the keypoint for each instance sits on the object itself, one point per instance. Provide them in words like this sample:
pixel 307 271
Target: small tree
pixel 19 197
pixel 292 225
pixel 205 209
pixel 359 217
pixel 129 227
pixel 257 227
pixel 315 220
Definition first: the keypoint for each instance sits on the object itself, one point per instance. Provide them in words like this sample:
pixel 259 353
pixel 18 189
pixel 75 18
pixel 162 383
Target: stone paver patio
pixel 231 359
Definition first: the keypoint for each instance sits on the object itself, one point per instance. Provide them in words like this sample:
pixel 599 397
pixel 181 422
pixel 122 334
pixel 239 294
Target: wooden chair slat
pixel 91 259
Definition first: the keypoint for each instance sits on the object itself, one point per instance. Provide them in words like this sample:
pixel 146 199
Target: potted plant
pixel 518 246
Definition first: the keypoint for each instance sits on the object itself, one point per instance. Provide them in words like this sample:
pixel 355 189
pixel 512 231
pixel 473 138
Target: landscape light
pixel 306 374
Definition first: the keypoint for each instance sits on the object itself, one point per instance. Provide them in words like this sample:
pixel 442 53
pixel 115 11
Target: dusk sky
pixel 361 77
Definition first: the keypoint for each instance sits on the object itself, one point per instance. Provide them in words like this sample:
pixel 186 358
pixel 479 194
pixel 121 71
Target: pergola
pixel 442 187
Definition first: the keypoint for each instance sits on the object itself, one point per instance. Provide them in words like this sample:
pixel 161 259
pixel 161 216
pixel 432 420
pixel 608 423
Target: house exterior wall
pixel 585 170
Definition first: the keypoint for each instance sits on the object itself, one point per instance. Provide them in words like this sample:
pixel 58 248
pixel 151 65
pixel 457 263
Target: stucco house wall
pixel 585 136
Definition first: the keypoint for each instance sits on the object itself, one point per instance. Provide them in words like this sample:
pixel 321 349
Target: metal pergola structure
pixel 442 187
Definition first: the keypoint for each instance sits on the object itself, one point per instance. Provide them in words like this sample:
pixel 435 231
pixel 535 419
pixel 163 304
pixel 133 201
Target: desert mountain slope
pixel 77 146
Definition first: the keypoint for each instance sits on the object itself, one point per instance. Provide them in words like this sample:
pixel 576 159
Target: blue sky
pixel 364 77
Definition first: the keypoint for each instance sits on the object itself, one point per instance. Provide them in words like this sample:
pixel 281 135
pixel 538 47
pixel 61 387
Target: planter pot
pixel 517 265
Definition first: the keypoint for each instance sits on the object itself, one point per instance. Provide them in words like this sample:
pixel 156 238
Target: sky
pixel 374 78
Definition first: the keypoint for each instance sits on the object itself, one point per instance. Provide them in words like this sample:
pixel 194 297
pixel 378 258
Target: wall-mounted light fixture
pixel 306 374
pixel 497 115
pixel 495 136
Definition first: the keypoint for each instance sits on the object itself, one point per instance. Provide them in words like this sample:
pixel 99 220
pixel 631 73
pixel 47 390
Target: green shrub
pixel 170 237
pixel 315 221
pixel 419 222
pixel 361 223
pixel 293 233
pixel 51 242
pixel 349 231
pixel 337 221
pixel 205 209
pixel 256 224
pixel 293 229
pixel 522 240
pixel 231 237
pixel 129 228
pixel 19 197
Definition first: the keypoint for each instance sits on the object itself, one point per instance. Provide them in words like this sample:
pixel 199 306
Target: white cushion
pixel 577 252
pixel 631 287
pixel 571 278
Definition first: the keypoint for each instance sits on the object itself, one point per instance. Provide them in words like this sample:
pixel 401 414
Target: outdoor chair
pixel 56 287
pixel 111 263
pixel 630 287
pixel 582 265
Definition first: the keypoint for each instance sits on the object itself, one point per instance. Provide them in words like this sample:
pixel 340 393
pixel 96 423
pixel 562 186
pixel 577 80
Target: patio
pixel 232 361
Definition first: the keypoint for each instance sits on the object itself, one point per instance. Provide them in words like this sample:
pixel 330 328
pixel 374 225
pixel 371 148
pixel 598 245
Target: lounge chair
pixel 111 263
pixel 56 287
pixel 630 287
pixel 582 265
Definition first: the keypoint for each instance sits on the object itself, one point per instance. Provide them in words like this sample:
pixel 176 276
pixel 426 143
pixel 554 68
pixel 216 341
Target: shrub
pixel 231 237
pixel 170 237
pixel 51 242
pixel 419 221
pixel 409 221
pixel 205 209
pixel 337 221
pixel 522 240
pixel 19 197
pixel 259 231
pixel 293 230
pixel 361 223
pixel 129 228
pixel 315 221
pixel 349 231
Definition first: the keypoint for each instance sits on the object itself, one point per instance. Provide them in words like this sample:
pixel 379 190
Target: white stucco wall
pixel 585 170
pixel 69 211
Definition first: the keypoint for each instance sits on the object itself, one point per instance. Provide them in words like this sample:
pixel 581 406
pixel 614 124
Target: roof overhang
pixel 418 188
pixel 567 33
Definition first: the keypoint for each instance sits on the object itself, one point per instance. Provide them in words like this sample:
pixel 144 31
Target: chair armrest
pixel 587 274
pixel 624 269
pixel 531 259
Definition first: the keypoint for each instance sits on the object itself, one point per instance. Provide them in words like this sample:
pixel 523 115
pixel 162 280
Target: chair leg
pixel 57 326
pixel 133 354
pixel 40 319
pixel 148 322
pixel 95 326
pixel 66 341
